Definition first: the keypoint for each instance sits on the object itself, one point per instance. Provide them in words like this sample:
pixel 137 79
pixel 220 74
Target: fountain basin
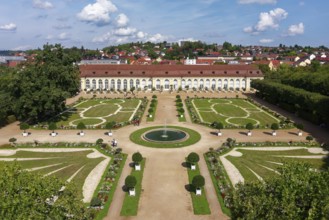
pixel 167 135
pixel 183 137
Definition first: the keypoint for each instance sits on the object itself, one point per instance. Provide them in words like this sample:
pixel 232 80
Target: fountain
pixel 164 135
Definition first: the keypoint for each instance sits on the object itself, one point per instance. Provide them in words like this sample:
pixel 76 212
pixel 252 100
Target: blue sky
pixel 26 24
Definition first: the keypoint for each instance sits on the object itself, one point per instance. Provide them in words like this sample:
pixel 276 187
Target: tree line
pixel 308 105
pixel 37 90
pixel 314 78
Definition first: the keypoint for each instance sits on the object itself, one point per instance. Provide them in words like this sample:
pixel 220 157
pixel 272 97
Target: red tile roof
pixel 169 71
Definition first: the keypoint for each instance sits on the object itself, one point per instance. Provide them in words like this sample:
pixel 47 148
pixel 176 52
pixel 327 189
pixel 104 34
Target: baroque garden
pixel 164 147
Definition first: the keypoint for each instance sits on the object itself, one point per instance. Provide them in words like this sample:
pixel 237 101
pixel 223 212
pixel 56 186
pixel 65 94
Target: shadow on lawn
pixel 189 188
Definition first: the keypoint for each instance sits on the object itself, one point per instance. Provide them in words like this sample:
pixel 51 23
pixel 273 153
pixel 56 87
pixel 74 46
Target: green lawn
pixel 232 112
pixel 263 163
pixel 101 110
pixel 97 109
pixel 68 162
pixel 200 202
pixel 130 203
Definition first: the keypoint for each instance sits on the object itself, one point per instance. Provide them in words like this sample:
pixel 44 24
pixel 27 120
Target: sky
pixel 29 24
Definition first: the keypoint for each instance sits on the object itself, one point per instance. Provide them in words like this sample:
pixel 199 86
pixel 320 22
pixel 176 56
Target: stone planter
pixel 193 167
pixel 219 133
pixel 198 191
pixel 53 134
pixel 132 192
pixel 249 133
pixel 110 134
pixel 81 133
pixel 274 133
pixel 137 167
pixel 300 133
pixel 150 116
pixel 25 134
pixel 181 116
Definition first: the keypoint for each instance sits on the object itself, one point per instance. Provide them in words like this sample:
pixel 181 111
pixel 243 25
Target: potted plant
pixel 52 126
pixel 274 127
pixel 137 158
pixel 250 127
pixel 219 126
pixel 300 128
pixel 24 126
pixel 193 158
pixel 81 126
pixel 198 182
pixel 130 183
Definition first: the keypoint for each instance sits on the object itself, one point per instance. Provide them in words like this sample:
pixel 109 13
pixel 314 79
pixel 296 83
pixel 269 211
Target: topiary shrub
pixel 193 158
pixel 137 157
pixel 198 181
pixel 130 181
pixel 99 141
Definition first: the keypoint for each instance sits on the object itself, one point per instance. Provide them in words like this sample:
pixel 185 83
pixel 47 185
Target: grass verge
pixel 130 203
pixel 200 202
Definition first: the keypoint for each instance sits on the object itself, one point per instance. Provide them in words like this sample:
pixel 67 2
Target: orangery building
pixel 167 77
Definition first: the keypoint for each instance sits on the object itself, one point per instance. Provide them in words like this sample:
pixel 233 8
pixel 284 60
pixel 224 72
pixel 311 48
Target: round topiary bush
pixel 137 157
pixel 275 126
pixel 193 158
pixel 130 181
pixel 198 181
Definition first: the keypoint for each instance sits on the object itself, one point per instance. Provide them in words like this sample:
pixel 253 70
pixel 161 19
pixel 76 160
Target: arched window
pixel 243 84
pixel 157 84
pixel 213 84
pixel 219 84
pixel 183 84
pixel 112 84
pixel 175 84
pixel 150 84
pixel 125 86
pixel 100 84
pixel 207 84
pixel 189 83
pixel 143 83
pixel 237 84
pixel 94 84
pixel 131 83
pixel 118 84
pixel 231 84
pixel 225 84
pixel 87 84
pixel 106 84
pixel 201 84
pixel 167 84
pixel 195 84
pixel 137 83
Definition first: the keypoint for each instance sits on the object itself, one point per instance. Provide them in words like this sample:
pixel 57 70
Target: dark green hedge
pixel 308 105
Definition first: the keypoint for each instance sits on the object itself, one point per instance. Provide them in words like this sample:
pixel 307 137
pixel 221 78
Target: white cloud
pixel 63 36
pixel 128 31
pixel 122 20
pixel 8 27
pixel 102 38
pixel 42 4
pixel 141 35
pixel 62 26
pixel 268 20
pixel 266 41
pixel 257 1
pixel 296 29
pixel 157 38
pixel 97 13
